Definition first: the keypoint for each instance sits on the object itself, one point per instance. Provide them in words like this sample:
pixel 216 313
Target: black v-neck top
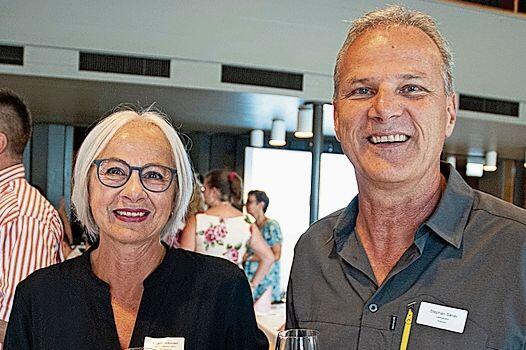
pixel 204 299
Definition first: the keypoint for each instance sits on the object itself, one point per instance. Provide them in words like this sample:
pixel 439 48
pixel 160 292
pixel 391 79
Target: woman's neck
pixel 124 264
pixel 261 220
pixel 224 210
pixel 219 203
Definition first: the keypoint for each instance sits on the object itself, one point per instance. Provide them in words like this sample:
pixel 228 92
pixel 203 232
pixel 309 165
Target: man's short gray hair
pixel 398 16
pixel 95 143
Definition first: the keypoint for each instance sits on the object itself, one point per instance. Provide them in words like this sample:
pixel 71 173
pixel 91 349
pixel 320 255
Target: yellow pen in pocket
pixel 407 328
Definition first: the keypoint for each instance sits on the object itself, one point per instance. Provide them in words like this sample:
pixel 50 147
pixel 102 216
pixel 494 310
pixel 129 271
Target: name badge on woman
pixel 167 343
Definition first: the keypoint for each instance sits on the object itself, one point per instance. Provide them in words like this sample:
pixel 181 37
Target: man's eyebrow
pixel 354 80
pixel 405 76
pixel 410 76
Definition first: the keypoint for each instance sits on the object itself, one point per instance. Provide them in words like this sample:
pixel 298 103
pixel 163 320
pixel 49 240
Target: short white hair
pixel 391 16
pixel 96 141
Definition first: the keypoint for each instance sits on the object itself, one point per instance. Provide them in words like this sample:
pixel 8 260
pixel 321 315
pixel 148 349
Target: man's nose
pixel 386 104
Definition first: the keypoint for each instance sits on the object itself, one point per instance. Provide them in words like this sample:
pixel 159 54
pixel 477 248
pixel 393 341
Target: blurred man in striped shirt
pixel 30 228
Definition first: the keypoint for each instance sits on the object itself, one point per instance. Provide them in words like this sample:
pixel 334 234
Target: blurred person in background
pixel 222 230
pixel 257 204
pixel 196 205
pixel 132 185
pixel 30 228
pixel 70 248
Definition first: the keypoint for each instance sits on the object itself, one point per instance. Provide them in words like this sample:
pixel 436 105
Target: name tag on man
pixel 443 317
pixel 167 343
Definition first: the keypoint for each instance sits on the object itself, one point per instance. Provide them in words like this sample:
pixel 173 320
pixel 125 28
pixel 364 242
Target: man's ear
pixel 451 110
pixel 3 142
pixel 336 120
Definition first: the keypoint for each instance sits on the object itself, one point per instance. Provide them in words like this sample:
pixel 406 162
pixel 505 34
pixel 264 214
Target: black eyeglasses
pixel 113 172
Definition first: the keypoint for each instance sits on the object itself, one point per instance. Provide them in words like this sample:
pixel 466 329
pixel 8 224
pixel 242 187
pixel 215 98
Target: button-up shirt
pixel 30 233
pixel 470 254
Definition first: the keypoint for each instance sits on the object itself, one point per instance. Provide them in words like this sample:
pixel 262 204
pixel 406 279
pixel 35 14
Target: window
pixel 338 184
pixel 285 176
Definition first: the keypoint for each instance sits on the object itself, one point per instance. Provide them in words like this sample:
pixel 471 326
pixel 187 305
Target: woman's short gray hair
pixel 96 141
pixel 396 15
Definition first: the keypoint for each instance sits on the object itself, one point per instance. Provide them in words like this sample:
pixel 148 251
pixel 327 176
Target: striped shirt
pixel 30 233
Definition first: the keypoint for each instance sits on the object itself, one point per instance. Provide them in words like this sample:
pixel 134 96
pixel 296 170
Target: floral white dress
pixel 223 237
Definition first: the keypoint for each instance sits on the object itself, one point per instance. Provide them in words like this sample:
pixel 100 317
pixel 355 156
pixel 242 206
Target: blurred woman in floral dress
pixel 222 230
pixel 196 205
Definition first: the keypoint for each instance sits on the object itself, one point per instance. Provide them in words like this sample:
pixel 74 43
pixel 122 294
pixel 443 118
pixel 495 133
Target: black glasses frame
pixel 139 169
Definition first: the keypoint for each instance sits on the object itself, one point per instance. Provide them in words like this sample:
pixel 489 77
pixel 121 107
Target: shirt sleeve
pixel 19 334
pixel 275 236
pixel 26 244
pixel 242 331
pixel 291 321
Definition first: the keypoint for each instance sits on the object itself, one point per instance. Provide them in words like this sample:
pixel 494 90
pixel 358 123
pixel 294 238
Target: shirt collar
pixel 156 277
pixel 11 173
pixel 447 221
pixel 345 223
pixel 451 216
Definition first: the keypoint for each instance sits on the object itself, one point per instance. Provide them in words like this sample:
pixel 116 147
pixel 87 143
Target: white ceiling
pixel 78 102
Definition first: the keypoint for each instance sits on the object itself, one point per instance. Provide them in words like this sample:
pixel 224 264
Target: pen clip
pixel 408 322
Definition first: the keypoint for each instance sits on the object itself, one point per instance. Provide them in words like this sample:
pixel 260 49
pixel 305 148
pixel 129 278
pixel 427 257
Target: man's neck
pixel 6 162
pixel 387 220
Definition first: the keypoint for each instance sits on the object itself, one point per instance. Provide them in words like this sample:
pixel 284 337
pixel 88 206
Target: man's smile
pixel 392 138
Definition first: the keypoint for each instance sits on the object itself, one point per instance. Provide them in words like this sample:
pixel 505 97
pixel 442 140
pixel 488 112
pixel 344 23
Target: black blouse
pixel 204 299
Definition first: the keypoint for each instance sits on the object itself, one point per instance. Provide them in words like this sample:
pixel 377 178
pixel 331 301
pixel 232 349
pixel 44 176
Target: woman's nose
pixel 133 188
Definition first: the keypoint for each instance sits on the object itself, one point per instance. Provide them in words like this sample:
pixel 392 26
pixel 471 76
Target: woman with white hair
pixel 132 185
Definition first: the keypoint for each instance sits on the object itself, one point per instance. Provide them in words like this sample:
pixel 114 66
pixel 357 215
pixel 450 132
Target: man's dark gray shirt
pixel 469 255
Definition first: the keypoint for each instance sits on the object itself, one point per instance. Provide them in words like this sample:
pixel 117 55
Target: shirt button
pixel 373 307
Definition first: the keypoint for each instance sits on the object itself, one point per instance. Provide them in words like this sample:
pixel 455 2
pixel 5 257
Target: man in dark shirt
pixel 418 260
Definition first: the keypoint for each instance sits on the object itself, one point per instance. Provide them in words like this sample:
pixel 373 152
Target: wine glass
pixel 297 339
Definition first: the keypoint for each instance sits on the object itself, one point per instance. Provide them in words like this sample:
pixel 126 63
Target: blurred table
pixel 271 322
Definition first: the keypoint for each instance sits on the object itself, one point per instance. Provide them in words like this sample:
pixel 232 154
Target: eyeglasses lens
pixel 156 178
pixel 115 173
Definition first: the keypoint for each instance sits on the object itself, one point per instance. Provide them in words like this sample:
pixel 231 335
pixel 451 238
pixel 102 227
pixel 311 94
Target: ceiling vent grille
pixel 261 77
pixel 12 55
pixel 488 105
pixel 152 67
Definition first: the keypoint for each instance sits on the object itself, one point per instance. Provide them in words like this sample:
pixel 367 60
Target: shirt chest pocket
pixel 427 337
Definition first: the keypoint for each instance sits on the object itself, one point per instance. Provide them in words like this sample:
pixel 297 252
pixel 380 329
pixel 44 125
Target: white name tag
pixel 443 317
pixel 168 343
